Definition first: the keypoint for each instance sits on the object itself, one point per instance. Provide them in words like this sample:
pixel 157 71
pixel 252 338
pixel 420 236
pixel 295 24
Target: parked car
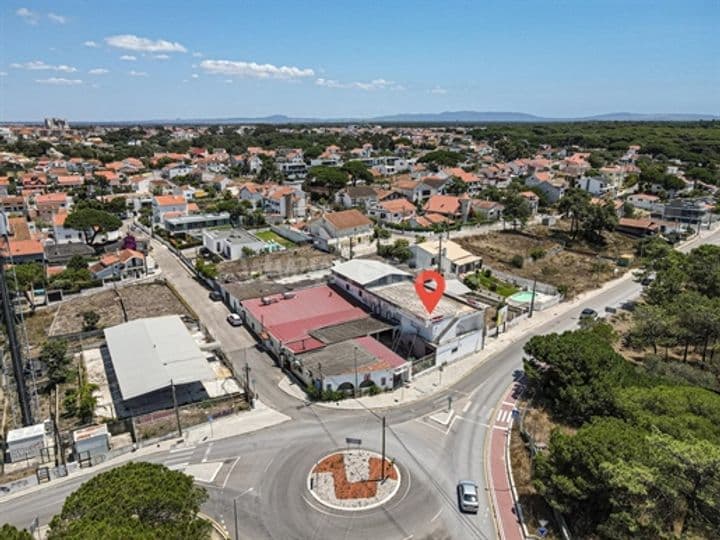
pixel 467 492
pixel 234 319
pixel 588 313
pixel 215 296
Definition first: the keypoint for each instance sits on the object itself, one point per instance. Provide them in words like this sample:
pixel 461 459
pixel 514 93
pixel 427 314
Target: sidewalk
pixel 499 476
pixel 260 417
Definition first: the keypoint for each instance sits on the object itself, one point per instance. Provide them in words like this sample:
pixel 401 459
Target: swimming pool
pixel 522 297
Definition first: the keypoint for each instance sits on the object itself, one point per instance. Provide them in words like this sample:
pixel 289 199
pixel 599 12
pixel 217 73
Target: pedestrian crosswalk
pixel 179 458
pixel 504 416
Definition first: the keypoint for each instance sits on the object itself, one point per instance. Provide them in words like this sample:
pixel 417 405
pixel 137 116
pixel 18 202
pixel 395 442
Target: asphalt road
pixel 265 471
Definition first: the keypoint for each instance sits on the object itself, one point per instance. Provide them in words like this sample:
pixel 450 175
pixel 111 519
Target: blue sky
pixel 131 60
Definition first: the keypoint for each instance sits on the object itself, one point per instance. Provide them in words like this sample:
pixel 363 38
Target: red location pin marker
pixel 429 297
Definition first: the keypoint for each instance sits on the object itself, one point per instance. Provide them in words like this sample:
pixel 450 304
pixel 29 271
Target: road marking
pixel 503 428
pixel 207 453
pixel 473 421
pixel 436 515
pixel 181 450
pixel 230 471
pixel 268 465
pixel 466 407
pixel 176 466
pixel 248 490
pixel 511 403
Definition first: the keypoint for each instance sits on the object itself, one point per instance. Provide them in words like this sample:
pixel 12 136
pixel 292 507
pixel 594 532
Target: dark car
pixel 588 313
pixel 215 296
pixel 467 492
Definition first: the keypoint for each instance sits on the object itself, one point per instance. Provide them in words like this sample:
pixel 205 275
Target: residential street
pixel 265 471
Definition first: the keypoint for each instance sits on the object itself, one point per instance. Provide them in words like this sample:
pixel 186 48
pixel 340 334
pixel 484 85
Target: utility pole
pixel 356 371
pixel 382 474
pixel 322 384
pixel 248 390
pixel 237 532
pixel 175 406
pixel 439 261
pixel 532 299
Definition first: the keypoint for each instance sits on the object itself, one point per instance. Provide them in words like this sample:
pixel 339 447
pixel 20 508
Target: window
pixel 382 381
pixel 454 350
pixel 360 294
pixel 347 287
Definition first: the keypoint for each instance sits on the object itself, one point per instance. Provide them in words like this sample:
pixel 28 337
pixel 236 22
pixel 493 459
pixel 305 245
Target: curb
pixel 221 530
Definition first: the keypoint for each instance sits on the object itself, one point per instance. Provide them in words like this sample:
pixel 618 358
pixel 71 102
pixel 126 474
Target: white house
pixel 175 205
pixel 233 244
pixel 597 185
pixel 453 260
pixel 646 201
pixel 126 263
pixel 453 329
pixel 345 231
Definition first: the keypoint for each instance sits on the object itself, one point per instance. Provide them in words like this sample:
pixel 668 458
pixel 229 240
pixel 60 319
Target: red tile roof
pixel 443 204
pixel 170 200
pixel 291 320
pixel 22 247
pixel 347 219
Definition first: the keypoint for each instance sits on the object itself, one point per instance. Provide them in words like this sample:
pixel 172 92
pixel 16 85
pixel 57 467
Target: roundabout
pixel 353 480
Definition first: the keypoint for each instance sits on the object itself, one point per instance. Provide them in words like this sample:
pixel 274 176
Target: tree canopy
pixel 92 222
pixel 135 501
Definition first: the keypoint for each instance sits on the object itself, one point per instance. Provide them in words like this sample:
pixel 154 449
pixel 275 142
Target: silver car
pixel 468 496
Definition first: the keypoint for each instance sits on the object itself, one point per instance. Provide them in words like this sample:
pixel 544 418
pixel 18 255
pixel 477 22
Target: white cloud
pixel 91 44
pixel 28 16
pixel 197 54
pixel 161 57
pixel 228 81
pixel 254 70
pixel 135 43
pixel 3 74
pixel 128 57
pixel 438 91
pixel 134 73
pixel 375 84
pixel 39 65
pixel 195 76
pixel 59 81
pixel 98 71
pixel 54 17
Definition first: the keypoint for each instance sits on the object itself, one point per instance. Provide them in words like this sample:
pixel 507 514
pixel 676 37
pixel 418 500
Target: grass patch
pixel 491 283
pixel 272 236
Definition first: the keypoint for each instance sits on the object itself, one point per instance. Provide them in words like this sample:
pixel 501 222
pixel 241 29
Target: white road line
pixel 176 459
pixel 268 465
pixel 466 407
pixel 504 428
pixel 176 466
pixel 230 471
pixel 512 404
pixel 473 421
pixel 436 515
pixel 182 450
pixel 207 452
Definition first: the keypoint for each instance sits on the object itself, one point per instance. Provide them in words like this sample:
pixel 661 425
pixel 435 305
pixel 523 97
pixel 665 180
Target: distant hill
pixel 447 117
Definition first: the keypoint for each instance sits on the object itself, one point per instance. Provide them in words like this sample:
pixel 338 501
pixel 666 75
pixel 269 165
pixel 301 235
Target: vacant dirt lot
pixel 275 265
pixel 69 320
pixel 572 266
pixel 116 306
pixel 151 300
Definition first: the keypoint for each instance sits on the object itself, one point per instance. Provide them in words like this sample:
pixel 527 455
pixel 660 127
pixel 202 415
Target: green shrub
pixel 537 253
pixel 487 272
pixel 517 261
